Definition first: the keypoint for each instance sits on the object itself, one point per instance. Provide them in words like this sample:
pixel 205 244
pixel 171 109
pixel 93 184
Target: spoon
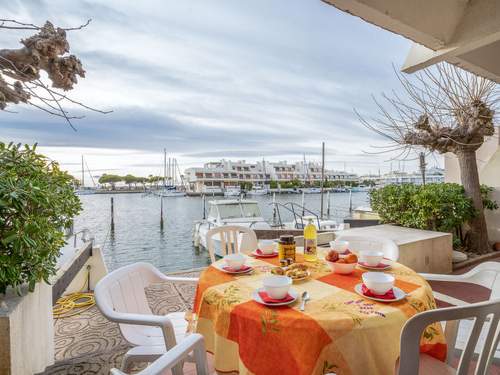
pixel 305 298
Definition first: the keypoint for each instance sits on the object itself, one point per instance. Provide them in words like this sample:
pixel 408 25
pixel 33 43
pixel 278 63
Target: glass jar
pixel 286 247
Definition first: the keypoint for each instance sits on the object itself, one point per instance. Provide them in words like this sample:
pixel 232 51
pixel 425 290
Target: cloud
pixel 213 79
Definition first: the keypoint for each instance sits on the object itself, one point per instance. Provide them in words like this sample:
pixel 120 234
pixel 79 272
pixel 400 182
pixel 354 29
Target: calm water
pixel 138 237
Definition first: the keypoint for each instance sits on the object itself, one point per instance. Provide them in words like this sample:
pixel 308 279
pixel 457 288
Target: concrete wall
pixel 421 250
pixel 27 332
pixel 488 164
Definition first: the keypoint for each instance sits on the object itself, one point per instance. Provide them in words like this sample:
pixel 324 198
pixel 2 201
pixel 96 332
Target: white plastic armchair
pixel 486 274
pixel 232 239
pixel 485 315
pixel 121 298
pixel 176 356
pixel 359 243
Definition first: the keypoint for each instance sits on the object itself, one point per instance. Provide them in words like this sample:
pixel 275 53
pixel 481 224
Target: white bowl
pixel 267 246
pixel 341 268
pixel 378 282
pixel 277 286
pixel 235 261
pixel 371 257
pixel 339 246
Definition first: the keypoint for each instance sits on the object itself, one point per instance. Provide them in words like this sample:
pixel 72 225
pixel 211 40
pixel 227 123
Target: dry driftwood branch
pixel 48 51
pixel 444 109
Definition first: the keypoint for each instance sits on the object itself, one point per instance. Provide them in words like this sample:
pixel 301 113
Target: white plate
pixel 291 291
pixel 386 266
pixel 220 267
pixel 257 255
pixel 398 293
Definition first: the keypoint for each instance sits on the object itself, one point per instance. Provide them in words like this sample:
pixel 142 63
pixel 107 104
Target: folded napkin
pixel 367 292
pixel 265 297
pixel 380 265
pixel 230 269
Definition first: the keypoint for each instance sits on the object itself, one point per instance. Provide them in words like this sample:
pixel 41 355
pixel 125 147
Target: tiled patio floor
pixel 89 344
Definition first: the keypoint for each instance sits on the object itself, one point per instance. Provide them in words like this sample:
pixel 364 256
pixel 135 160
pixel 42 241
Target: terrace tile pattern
pixel 88 343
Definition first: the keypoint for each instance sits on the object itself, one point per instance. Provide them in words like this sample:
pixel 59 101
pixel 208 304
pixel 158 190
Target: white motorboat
pixel 228 212
pixel 360 188
pixel 171 191
pixel 311 190
pixel 320 224
pixel 209 190
pixel 232 191
pixel 258 190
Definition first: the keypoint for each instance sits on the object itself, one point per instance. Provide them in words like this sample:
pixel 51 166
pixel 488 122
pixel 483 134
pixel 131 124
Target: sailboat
pixel 170 188
pixel 82 190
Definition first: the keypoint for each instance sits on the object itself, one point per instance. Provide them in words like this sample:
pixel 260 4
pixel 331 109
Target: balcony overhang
pixel 462 32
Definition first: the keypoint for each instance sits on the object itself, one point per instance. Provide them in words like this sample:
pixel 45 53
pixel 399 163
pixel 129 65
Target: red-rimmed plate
pixel 234 272
pixel 398 294
pixel 262 255
pixel 379 267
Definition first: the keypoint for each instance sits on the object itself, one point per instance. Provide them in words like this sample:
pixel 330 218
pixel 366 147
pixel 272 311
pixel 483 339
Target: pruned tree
pixel 445 109
pixel 48 51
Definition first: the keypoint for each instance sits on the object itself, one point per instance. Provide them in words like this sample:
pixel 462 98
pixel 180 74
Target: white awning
pixel 461 32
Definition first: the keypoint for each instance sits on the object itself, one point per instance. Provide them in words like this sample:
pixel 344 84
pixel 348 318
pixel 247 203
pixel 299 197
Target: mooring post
pixel 328 203
pixel 204 206
pixel 350 200
pixel 112 214
pixel 161 212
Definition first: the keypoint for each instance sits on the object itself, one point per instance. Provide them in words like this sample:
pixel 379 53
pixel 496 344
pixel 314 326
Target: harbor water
pixel 137 235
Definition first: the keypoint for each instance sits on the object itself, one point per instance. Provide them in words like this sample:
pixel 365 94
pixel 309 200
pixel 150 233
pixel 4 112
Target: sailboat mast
pixel 322 175
pixel 164 167
pixel 83 174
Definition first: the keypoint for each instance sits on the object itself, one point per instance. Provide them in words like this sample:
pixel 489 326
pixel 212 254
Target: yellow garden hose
pixel 81 301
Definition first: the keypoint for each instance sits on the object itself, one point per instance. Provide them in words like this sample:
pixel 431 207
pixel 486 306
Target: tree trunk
pixel 477 238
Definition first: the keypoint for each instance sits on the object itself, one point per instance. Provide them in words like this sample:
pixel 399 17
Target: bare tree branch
pixel 45 51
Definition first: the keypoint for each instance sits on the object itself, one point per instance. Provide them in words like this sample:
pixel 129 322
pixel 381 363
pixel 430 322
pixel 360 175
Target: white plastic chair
pixel 121 298
pixel 359 243
pixel 486 274
pixel 176 356
pixel 233 239
pixel 413 363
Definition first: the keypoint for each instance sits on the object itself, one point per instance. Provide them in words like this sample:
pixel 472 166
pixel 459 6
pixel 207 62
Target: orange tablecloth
pixel 339 331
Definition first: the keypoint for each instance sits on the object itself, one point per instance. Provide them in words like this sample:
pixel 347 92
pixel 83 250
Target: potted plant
pixel 37 202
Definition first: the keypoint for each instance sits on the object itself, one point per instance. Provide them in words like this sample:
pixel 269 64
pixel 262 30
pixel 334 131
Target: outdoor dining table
pixel 339 332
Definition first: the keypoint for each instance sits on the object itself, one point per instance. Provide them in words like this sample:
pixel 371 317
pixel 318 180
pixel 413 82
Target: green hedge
pixel 439 207
pixel 36 202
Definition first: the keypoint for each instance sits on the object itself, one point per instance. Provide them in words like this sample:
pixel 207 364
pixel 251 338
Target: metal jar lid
pixel 287 239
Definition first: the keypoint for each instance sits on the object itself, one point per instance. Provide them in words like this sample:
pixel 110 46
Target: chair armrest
pixel 440 277
pixel 192 343
pixel 193 280
pixel 161 321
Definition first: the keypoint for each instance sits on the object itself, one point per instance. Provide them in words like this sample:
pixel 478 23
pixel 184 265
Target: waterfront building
pixel 225 173
pixel 433 175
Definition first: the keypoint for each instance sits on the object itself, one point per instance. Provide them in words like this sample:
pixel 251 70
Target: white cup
pixel 267 246
pixel 371 257
pixel 277 286
pixel 235 261
pixel 378 282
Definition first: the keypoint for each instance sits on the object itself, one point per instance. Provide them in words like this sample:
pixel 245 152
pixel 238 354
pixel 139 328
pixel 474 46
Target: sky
pixel 212 79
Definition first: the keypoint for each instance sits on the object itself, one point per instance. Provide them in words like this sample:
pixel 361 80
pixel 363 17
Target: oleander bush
pixel 439 207
pixel 37 202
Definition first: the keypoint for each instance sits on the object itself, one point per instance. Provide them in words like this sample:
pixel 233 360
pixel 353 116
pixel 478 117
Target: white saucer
pixel 291 291
pixel 257 255
pixel 240 271
pixel 386 266
pixel 398 293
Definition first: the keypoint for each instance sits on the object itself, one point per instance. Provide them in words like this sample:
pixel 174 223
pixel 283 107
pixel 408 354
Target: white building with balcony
pixel 233 173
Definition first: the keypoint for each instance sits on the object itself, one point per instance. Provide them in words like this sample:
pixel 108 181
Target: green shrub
pixel 37 202
pixel 439 207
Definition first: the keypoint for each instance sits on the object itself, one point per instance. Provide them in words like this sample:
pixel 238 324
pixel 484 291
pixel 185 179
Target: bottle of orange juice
pixel 310 242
